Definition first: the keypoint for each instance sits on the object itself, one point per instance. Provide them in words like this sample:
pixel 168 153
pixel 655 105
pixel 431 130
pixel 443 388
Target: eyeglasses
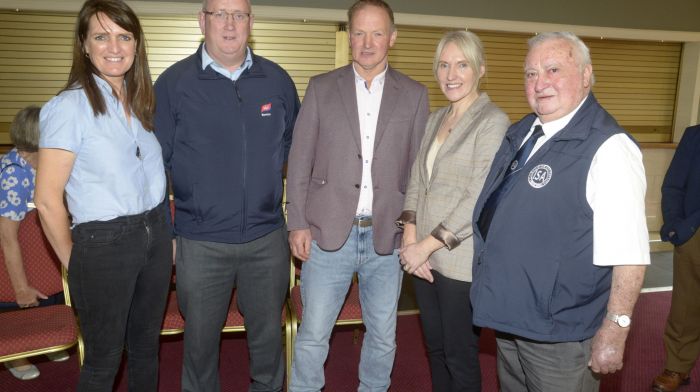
pixel 221 16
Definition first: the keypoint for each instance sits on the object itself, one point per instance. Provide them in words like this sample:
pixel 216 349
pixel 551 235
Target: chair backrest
pixel 41 265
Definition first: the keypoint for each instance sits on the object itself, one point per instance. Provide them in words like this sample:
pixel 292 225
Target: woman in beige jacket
pixel 447 176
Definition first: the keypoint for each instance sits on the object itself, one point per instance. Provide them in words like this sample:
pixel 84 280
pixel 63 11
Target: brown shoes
pixel 669 381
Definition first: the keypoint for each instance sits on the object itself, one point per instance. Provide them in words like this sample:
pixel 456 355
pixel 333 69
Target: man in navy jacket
pixel 224 118
pixel 680 205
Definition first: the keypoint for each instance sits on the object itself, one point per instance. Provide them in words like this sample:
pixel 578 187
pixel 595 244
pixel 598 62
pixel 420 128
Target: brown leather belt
pixel 362 222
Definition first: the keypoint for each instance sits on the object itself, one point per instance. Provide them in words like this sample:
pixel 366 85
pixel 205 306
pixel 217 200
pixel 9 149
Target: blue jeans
pixel 325 280
pixel 119 275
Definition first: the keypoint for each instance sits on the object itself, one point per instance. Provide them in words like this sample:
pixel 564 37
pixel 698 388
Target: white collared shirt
pixel 233 75
pixel 369 101
pixel 615 190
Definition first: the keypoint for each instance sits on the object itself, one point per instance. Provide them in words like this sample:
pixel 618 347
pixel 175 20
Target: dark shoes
pixel 669 381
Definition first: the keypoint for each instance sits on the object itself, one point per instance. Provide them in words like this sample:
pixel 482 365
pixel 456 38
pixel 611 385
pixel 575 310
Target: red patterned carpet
pixel 644 359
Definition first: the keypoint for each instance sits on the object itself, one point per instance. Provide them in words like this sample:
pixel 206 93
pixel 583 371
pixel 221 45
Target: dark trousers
pixel 451 340
pixel 207 272
pixel 119 275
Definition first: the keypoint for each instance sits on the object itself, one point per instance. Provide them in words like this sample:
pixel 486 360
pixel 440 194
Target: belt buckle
pixel 364 221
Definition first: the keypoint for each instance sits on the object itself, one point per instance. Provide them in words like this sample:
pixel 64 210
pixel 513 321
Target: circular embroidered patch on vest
pixel 539 176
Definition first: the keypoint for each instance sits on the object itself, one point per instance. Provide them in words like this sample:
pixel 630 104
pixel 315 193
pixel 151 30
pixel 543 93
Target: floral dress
pixel 16 186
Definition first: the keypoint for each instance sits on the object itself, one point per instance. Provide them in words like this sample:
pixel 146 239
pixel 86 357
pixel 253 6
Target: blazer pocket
pixel 318 181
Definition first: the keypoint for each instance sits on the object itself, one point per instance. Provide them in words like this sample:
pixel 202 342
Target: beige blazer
pixel 325 162
pixel 446 202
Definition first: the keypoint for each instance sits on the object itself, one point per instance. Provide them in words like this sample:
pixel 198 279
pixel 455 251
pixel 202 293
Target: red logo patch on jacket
pixel 266 110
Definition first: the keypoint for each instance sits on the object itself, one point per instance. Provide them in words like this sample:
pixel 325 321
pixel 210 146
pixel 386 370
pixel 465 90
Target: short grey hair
pixel 581 52
pixel 24 130
pixel 470 45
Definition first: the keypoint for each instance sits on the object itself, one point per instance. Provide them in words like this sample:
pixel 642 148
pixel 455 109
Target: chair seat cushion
pixel 37 328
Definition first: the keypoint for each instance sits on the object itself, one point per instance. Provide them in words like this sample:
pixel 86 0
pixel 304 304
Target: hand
pixel 29 297
pixel 174 249
pixel 607 348
pixel 423 272
pixel 300 243
pixel 413 256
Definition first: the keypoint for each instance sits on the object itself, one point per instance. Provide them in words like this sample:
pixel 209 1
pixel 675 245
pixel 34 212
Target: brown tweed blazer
pixel 459 172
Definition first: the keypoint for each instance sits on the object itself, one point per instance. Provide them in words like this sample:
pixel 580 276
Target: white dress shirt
pixel 615 190
pixel 369 101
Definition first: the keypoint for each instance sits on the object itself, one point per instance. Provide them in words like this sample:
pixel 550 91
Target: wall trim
pixel 336 15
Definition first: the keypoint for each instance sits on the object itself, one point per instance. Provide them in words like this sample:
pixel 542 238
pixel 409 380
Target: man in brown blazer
pixel 356 136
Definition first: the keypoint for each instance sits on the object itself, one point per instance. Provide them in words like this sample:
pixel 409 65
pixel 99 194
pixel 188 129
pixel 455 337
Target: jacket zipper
pixel 244 218
pixel 244 138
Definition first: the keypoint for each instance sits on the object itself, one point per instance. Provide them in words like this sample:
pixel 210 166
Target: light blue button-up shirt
pixel 109 179
pixel 207 60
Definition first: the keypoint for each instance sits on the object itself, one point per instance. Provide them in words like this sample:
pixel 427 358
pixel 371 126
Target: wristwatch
pixel 622 320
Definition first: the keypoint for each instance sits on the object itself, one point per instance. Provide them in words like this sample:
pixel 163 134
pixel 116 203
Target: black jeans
pixel 451 341
pixel 119 275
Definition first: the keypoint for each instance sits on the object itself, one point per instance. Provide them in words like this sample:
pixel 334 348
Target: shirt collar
pixel 13 157
pixel 553 127
pixel 207 60
pixel 106 88
pixel 379 79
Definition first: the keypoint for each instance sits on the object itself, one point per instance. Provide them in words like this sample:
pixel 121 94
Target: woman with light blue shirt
pixel 96 145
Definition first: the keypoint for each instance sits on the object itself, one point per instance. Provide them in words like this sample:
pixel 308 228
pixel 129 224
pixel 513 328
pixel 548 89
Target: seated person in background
pixel 17 173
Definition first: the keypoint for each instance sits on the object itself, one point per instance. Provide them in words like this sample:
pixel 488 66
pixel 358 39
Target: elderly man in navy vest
pixel 561 242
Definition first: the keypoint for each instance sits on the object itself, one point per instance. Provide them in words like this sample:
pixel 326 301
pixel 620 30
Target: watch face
pixel 624 321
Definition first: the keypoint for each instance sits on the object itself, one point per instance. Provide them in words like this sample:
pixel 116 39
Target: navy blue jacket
pixel 224 145
pixel 680 192
pixel 534 275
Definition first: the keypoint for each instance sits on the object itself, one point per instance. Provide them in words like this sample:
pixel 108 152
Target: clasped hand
pixel 414 258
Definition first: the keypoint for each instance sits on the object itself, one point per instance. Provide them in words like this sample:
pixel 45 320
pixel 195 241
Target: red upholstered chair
pixel 173 323
pixel 350 313
pixel 39 330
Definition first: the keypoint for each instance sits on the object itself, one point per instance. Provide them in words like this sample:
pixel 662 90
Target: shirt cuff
pixel 446 237
pixel 406 217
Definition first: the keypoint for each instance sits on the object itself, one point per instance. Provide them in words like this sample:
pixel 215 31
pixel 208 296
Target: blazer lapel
pixel 463 126
pixel 346 88
pixel 433 133
pixel 390 96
